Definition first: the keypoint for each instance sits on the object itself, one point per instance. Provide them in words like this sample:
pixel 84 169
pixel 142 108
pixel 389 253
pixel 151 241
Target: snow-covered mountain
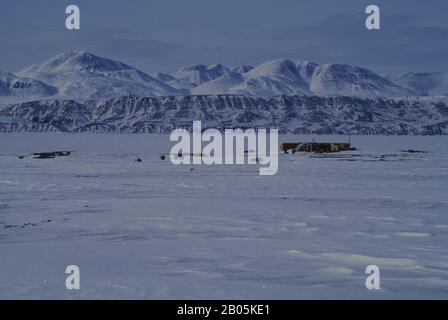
pixel 285 77
pixel 242 69
pixel 276 77
pixel 76 61
pixel 193 76
pixel 423 83
pixel 339 79
pixel 12 85
pixel 199 74
pixel 82 75
pixel 291 114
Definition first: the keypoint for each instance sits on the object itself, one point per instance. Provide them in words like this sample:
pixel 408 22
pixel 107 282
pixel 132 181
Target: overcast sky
pixel 163 35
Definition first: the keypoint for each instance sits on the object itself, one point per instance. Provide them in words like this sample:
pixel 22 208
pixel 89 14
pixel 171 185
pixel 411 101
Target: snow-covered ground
pixel 154 230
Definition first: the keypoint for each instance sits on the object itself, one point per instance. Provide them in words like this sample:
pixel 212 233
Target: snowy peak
pixel 77 61
pixel 280 68
pixel 275 77
pixel 82 75
pixel 306 69
pixel 242 69
pixel 342 79
pixel 285 77
pixel 198 74
pixel 195 67
pixel 229 83
pixel 218 68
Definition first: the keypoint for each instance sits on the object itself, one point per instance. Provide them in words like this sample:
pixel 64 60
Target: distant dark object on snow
pixel 44 155
pixel 317 147
pixel 414 151
pixel 47 155
pixel 138 160
pixel 62 153
pixel 50 155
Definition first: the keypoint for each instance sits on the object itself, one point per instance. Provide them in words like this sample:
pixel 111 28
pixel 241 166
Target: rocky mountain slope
pixel 290 114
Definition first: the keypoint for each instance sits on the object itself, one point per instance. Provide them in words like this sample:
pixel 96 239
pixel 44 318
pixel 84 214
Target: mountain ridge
pixel 82 75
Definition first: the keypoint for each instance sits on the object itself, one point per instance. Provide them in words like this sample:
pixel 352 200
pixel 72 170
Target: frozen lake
pixel 152 230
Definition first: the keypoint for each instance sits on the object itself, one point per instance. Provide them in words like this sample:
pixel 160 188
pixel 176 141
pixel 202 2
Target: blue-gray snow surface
pixel 154 230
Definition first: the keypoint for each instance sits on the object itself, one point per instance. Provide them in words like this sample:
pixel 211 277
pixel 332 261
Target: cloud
pixel 405 43
pixel 23 44
pixel 402 43
pixel 138 48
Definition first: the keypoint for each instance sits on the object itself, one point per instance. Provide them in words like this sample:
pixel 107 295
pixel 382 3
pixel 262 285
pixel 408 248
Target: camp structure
pixel 317 147
pixel 50 155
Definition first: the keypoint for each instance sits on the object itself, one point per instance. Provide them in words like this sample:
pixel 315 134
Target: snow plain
pixel 152 230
